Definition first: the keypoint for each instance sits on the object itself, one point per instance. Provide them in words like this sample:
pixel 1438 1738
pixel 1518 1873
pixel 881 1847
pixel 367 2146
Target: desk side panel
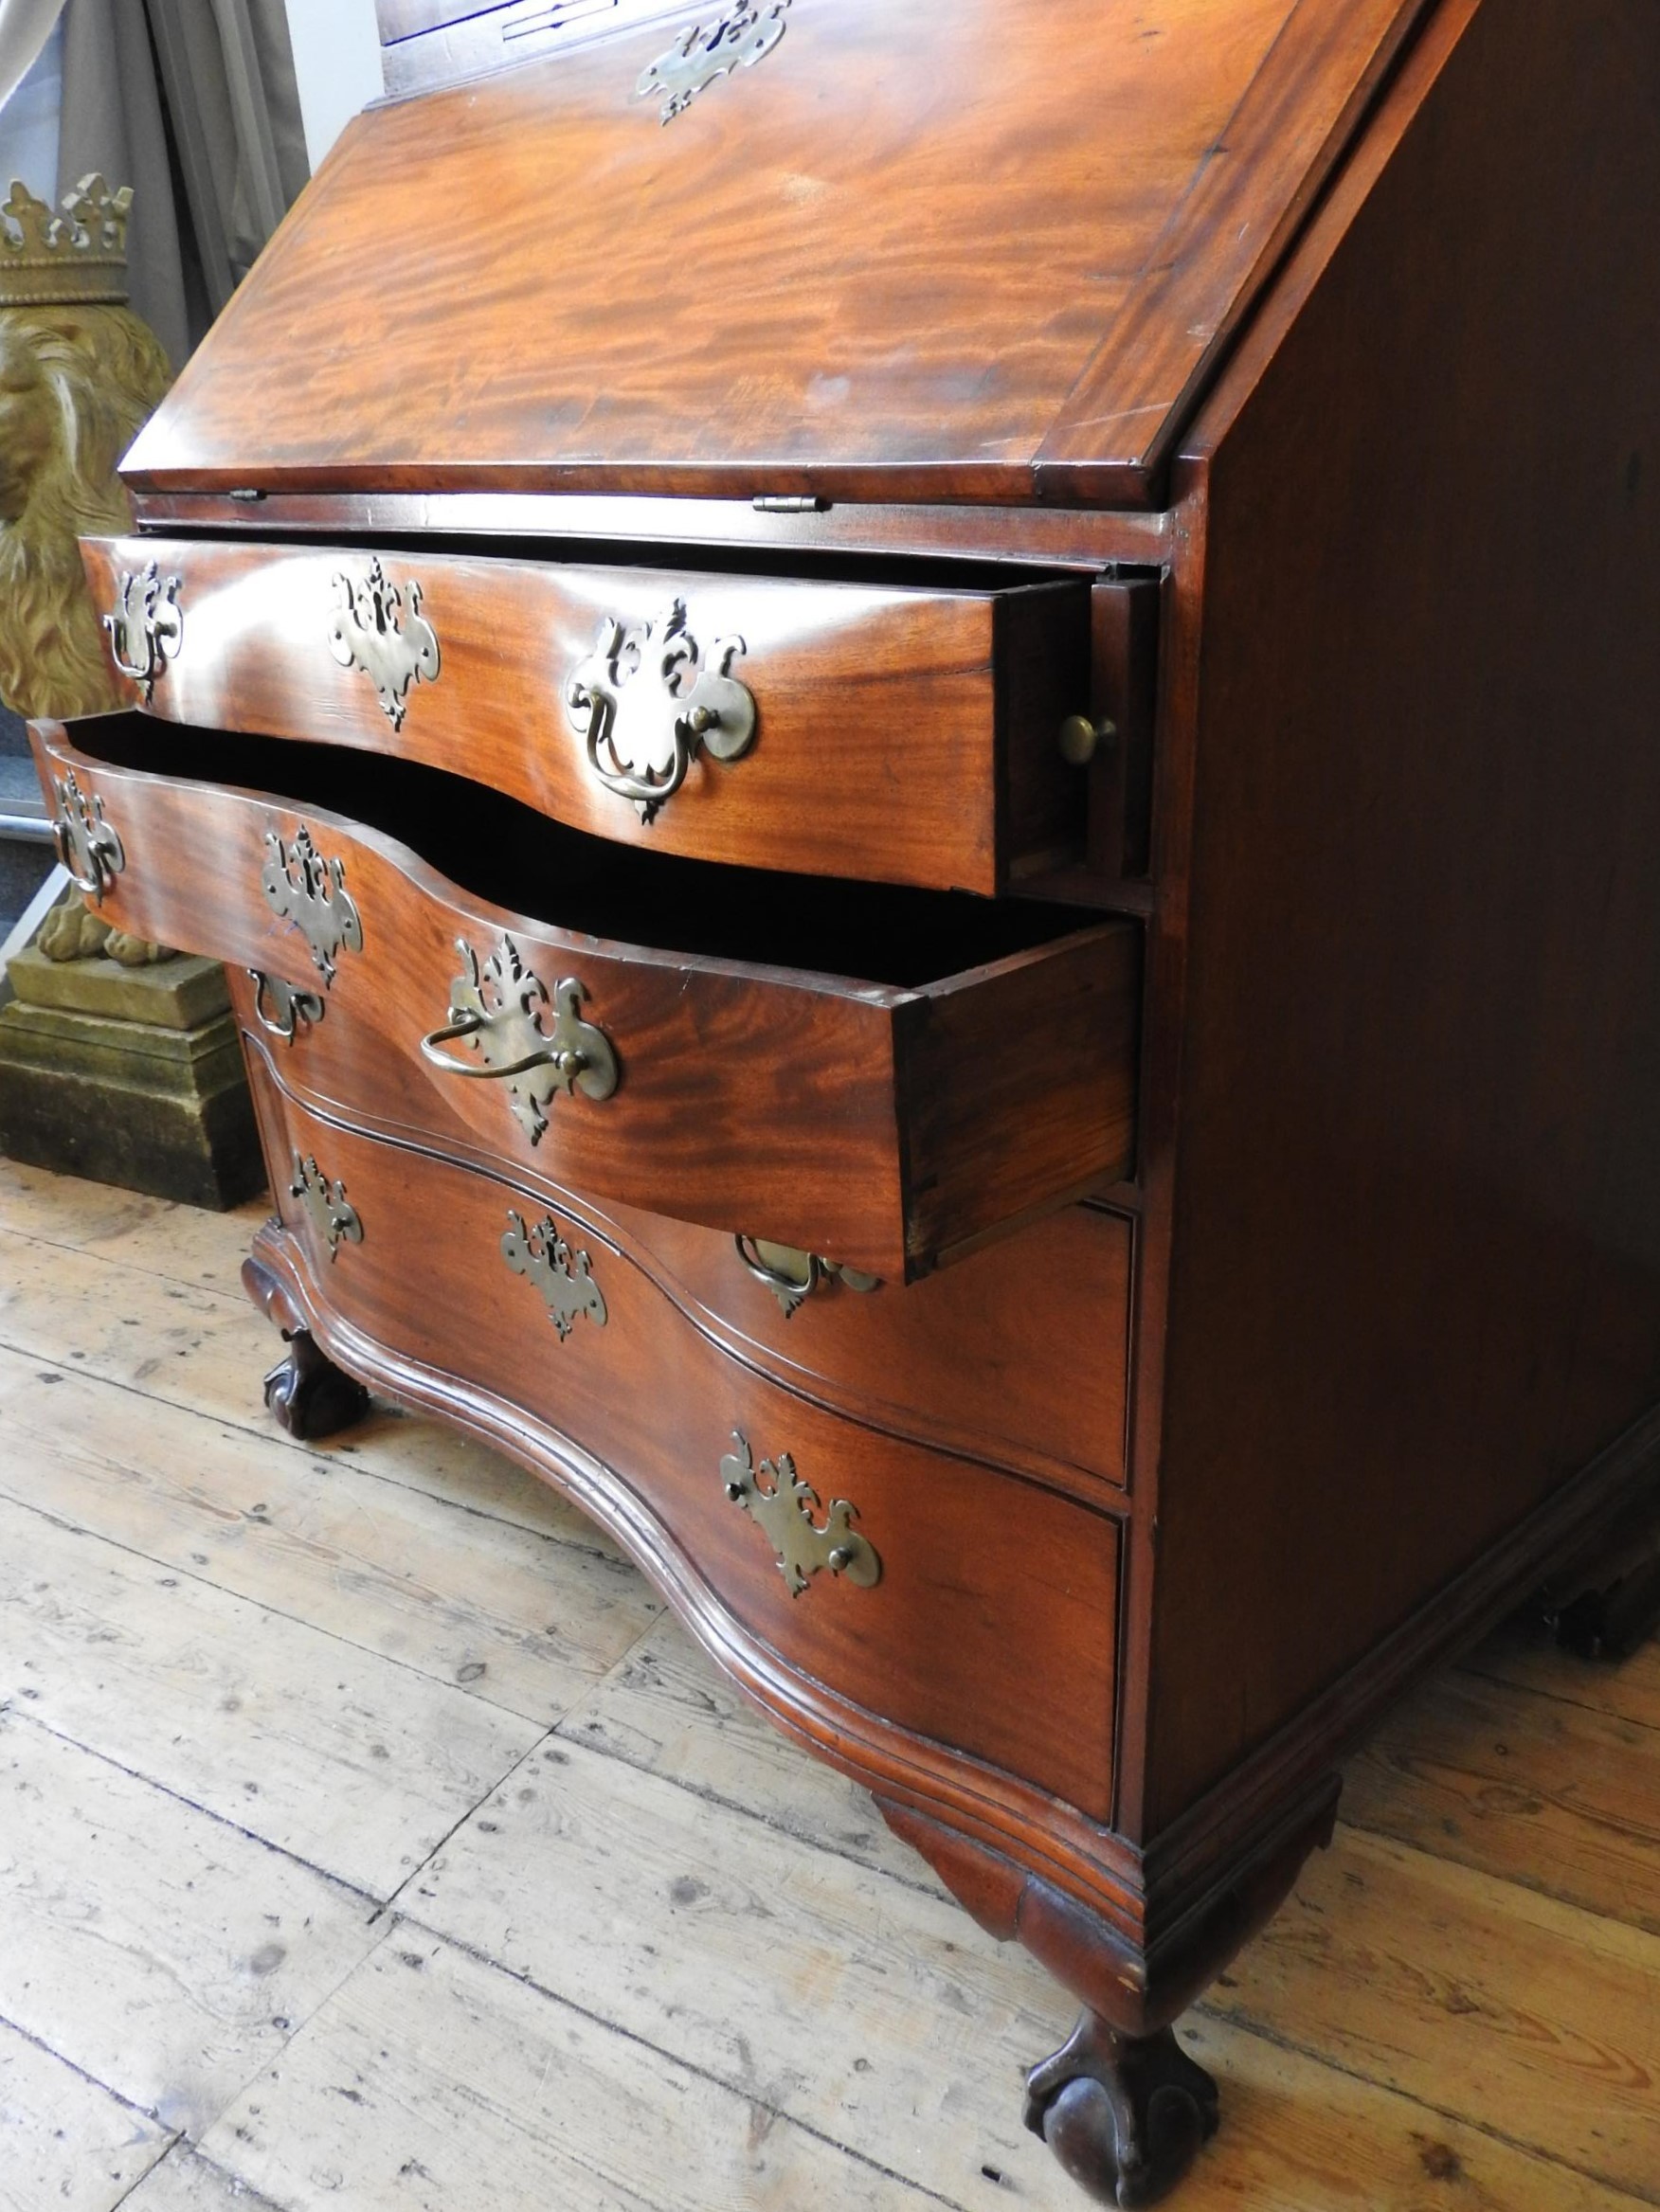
pixel 1415 1270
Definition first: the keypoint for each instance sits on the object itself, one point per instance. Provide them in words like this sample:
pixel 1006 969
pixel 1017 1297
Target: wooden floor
pixel 371 1839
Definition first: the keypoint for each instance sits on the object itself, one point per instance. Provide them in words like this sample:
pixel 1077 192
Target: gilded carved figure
pixel 79 374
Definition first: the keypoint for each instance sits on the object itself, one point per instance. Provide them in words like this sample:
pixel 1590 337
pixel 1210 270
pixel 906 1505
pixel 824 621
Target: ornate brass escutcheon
pixel 736 40
pixel 378 628
pixel 330 1214
pixel 281 1007
pixel 564 1277
pixel 88 847
pixel 497 1008
pixel 792 1275
pixel 784 1509
pixel 647 700
pixel 301 886
pixel 144 638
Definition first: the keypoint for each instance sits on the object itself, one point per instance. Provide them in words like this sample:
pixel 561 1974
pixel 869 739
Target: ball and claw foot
pixel 308 1395
pixel 1124 2116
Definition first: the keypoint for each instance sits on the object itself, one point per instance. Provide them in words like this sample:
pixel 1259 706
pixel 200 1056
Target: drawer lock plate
pixel 782 1506
pixel 647 700
pixel 496 1007
pixel 564 1277
pixel 377 627
pixel 301 886
pixel 331 1213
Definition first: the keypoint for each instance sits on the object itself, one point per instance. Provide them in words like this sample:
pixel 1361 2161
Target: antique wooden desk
pixel 925 739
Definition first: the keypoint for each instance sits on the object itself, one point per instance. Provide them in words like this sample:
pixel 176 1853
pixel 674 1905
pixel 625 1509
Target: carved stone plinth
pixel 129 1076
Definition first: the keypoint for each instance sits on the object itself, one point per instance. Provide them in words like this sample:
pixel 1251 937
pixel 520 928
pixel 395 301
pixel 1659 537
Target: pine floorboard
pixel 370 1840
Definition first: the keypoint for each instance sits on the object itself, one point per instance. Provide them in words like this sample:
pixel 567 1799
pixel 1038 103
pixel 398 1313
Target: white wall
pixel 337 63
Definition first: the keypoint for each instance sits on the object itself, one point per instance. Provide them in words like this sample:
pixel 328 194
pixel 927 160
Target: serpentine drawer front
pixel 895 1583
pixel 885 1125
pixel 901 734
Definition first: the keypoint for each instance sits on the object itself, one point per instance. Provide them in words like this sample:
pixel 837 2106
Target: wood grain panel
pixel 748 1094
pixel 1416 1260
pixel 908 734
pixel 887 262
pixel 962 1622
pixel 981 1356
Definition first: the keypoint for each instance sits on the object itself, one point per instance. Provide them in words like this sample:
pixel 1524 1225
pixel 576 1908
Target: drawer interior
pixel 882 934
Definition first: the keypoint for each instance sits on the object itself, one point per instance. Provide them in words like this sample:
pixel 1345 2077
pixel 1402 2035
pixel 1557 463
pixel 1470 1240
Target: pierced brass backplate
pixel 784 1509
pixel 378 626
pixel 88 847
pixel 497 1009
pixel 301 886
pixel 736 40
pixel 792 1275
pixel 564 1277
pixel 332 1214
pixel 648 699
pixel 281 1007
pixel 143 638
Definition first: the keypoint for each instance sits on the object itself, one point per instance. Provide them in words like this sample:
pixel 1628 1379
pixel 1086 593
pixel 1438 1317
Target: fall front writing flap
pixel 878 249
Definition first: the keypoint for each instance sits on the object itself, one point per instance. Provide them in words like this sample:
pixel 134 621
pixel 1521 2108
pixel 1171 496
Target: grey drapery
pixel 24 27
pixel 226 72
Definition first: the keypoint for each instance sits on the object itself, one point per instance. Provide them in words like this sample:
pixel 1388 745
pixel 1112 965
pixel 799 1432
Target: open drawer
pixel 883 1077
pixel 899 733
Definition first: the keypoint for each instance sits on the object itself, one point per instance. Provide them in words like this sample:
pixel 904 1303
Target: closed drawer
pixel 902 735
pixel 969 1590
pixel 889 1124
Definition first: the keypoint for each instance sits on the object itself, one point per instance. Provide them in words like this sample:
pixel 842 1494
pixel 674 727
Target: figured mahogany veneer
pixel 1356 302
pixel 910 255
pixel 906 734
pixel 945 1640
pixel 888 1126
pixel 967 1357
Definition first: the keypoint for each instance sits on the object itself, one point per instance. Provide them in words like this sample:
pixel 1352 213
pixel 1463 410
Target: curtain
pixel 24 27
pixel 112 122
pixel 191 102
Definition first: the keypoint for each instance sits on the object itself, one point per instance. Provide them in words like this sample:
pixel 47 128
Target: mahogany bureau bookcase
pixel 927 742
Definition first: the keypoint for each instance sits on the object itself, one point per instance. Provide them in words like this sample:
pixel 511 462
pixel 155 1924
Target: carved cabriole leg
pixel 1604 1602
pixel 309 1395
pixel 1120 2104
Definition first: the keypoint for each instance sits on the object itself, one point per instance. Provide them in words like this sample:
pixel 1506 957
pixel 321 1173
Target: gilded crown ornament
pixel 48 260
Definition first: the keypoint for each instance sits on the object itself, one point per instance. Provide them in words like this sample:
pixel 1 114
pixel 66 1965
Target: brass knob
pixel 1079 737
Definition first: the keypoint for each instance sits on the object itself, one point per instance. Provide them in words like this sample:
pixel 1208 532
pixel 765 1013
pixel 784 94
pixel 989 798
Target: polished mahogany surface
pixel 945 1638
pixel 1305 354
pixel 905 730
pixel 888 1121
pixel 914 252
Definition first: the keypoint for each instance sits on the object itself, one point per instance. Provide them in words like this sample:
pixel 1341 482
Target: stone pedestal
pixel 128 1075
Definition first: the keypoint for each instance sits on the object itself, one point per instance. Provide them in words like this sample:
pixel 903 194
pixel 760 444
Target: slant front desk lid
pixel 896 250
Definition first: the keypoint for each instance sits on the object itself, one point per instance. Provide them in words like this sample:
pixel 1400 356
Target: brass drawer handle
pixel 144 638
pixel 782 1506
pixel 88 848
pixel 647 700
pixel 496 1008
pixel 792 1275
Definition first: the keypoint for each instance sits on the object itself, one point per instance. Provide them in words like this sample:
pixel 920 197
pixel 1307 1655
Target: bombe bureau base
pixel 935 820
